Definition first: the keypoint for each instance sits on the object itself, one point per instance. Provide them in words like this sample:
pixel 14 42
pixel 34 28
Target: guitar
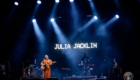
pixel 86 60
pixel 45 66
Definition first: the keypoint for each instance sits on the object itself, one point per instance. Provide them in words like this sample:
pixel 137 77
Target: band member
pixel 116 70
pixel 85 69
pixel 2 68
pixel 46 67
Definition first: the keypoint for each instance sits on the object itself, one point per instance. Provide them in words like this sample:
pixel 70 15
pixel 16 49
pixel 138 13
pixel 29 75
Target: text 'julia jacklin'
pixel 77 46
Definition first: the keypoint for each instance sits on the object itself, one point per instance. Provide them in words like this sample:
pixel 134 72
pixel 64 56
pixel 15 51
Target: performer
pixel 2 68
pixel 85 69
pixel 116 70
pixel 46 67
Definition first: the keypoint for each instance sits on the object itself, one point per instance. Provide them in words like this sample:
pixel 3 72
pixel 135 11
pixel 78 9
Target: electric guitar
pixel 45 66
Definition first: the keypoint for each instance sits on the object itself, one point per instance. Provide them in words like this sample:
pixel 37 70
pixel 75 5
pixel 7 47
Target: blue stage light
pixel 39 2
pixel 34 20
pixel 57 1
pixel 52 19
pixel 95 17
pixel 16 3
pixel 117 16
pixel 71 0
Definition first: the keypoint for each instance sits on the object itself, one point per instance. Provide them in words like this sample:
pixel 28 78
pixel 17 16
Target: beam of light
pixel 53 10
pixel 36 8
pixel 60 36
pixel 40 36
pixel 57 1
pixel 91 21
pixel 117 4
pixel 22 42
pixel 94 11
pixel 38 32
pixel 16 3
pixel 93 7
pixel 71 54
pixel 39 2
pixel 75 16
pixel 42 49
pixel 10 15
pixel 71 0
pixel 102 29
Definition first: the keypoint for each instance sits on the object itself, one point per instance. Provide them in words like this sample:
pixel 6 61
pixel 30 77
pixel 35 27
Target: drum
pixel 37 73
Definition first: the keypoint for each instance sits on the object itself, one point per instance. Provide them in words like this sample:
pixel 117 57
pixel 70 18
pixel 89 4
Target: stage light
pixel 16 3
pixel 95 17
pixel 39 2
pixel 52 19
pixel 57 1
pixel 117 16
pixel 71 0
pixel 34 20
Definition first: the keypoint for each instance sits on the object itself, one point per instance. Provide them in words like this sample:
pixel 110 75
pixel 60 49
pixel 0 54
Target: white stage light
pixel 39 2
pixel 95 17
pixel 16 3
pixel 117 16
pixel 52 19
pixel 57 1
pixel 71 0
pixel 34 20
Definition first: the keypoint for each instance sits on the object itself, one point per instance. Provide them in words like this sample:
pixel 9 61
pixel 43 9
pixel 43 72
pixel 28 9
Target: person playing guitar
pixel 45 65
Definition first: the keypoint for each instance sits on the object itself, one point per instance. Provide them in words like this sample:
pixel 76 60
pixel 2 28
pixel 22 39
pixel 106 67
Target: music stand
pixel 66 69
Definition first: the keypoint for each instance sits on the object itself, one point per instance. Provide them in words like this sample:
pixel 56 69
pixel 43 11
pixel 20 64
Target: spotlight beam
pixel 75 16
pixel 84 27
pixel 102 29
pixel 89 23
pixel 38 32
pixel 94 11
pixel 71 54
pixel 60 35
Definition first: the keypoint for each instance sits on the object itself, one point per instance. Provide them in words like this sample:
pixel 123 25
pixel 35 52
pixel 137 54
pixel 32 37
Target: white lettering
pixel 67 46
pixel 77 46
pixel 93 45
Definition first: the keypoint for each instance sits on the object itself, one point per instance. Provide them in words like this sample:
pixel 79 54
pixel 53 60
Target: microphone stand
pixel 108 69
pixel 77 63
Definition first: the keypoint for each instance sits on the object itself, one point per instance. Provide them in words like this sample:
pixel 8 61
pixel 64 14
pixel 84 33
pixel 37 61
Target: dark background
pixel 18 41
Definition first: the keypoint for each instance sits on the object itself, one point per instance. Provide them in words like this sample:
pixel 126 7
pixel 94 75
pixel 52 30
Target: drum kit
pixel 32 70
